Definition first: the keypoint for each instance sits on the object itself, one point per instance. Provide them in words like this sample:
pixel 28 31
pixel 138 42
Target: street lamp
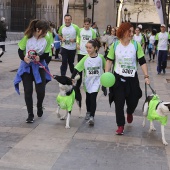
pixel 125 13
pixel 167 10
pixel 118 2
pixel 129 16
pixel 91 6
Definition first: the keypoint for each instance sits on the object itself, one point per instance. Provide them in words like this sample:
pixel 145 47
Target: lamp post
pixel 117 6
pixel 129 16
pixel 91 6
pixel 125 13
pixel 167 11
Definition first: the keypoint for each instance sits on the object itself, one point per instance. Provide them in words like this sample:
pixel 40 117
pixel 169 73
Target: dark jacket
pixel 3 30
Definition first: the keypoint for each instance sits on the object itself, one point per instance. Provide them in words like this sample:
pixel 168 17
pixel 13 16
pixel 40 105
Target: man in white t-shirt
pixel 161 42
pixel 68 34
pixel 85 34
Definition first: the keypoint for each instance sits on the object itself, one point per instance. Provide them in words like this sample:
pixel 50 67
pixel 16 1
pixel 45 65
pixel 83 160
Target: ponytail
pixel 31 28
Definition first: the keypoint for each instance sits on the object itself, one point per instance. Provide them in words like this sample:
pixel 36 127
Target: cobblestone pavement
pixel 47 145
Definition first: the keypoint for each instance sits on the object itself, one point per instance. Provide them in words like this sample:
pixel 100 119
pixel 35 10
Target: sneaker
pixel 149 60
pixel 129 118
pixel 87 116
pixel 39 112
pixel 91 121
pixel 120 130
pixel 30 118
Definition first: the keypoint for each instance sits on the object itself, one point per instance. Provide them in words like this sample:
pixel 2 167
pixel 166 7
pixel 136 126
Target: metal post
pixel 117 16
pixel 93 12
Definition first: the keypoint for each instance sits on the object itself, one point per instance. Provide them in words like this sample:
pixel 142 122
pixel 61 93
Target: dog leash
pixel 153 91
pixel 32 55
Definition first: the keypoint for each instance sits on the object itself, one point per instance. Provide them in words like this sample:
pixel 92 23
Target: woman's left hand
pixel 147 81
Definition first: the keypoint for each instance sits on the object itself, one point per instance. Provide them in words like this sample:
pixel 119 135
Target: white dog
pixel 154 109
pixel 66 97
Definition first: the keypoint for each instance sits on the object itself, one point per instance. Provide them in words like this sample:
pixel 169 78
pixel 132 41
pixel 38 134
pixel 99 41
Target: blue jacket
pixel 25 68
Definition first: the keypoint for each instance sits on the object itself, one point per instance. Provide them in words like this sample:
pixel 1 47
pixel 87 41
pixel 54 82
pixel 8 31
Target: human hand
pixel 72 40
pixel 147 81
pixel 27 59
pixel 104 89
pixel 37 58
pixel 78 47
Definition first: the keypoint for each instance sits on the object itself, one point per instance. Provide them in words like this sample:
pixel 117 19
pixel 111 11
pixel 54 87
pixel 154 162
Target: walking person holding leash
pixel 35 39
pixel 124 55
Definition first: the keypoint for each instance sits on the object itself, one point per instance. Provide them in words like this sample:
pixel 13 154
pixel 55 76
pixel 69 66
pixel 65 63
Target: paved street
pixel 47 145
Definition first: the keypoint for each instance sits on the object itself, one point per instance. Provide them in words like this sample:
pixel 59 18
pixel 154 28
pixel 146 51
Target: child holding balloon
pixel 93 65
pixel 126 89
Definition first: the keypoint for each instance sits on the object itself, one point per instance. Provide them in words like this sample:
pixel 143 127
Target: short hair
pixel 67 15
pixel 87 20
pixel 122 29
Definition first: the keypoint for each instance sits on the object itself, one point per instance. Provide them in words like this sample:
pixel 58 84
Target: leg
pixel 57 111
pixel 93 103
pixel 163 135
pixel 145 110
pixel 64 117
pixel 28 90
pixel 40 90
pixel 63 67
pixel 88 104
pixel 119 104
pixel 159 62
pixel 68 120
pixel 150 52
pixel 152 128
pixel 56 53
pixel 164 60
pixel 71 57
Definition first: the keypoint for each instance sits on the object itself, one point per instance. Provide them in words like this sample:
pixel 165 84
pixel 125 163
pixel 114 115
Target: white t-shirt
pixel 138 38
pixel 162 40
pixel 152 39
pixel 125 63
pixel 85 36
pixel 69 33
pixel 38 45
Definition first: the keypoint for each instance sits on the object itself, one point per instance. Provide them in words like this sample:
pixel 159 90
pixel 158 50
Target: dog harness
pixel 152 114
pixel 66 102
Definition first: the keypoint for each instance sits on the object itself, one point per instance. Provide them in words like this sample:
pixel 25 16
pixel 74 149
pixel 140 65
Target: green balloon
pixel 107 79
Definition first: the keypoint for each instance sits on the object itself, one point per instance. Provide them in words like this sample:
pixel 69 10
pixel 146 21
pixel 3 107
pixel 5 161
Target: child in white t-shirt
pixel 93 65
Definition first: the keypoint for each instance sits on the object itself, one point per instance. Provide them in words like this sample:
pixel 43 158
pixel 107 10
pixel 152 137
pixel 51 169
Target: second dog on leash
pixel 66 97
pixel 154 109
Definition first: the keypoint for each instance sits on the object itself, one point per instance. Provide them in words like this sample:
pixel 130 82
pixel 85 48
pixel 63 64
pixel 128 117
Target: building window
pixel 139 1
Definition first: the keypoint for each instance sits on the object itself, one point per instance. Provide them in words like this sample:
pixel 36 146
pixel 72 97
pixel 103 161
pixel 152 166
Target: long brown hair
pixel 34 24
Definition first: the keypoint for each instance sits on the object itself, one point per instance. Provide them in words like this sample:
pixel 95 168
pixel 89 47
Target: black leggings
pixel 28 89
pixel 91 103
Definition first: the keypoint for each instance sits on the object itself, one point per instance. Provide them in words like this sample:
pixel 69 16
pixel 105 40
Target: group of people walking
pixel 123 52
